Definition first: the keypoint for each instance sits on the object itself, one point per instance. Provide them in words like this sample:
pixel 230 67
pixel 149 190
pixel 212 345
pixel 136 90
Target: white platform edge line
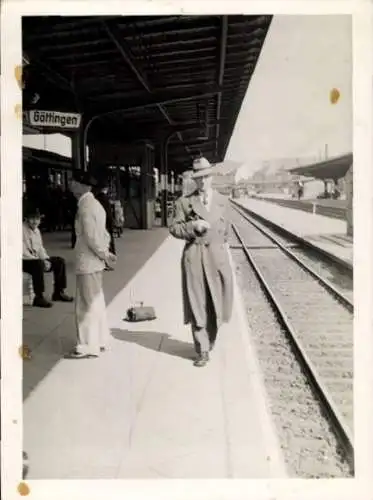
pixel 297 210
pixel 256 381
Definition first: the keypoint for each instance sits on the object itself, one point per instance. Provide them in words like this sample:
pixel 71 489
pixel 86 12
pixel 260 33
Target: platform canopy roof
pixel 335 168
pixel 142 76
pixel 38 156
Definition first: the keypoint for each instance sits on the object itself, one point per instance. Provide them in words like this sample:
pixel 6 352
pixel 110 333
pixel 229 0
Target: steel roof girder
pixel 184 29
pixel 156 98
pixel 124 50
pixel 74 45
pixel 189 60
pixel 190 41
pixel 133 94
pixel 181 52
pixel 125 53
pixel 155 133
pixel 81 55
pixel 50 73
pixel 186 71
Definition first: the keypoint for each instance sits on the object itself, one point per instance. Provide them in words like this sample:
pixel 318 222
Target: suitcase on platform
pixel 140 313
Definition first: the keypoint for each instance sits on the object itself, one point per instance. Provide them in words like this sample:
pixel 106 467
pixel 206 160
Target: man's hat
pixel 30 210
pixel 84 178
pixel 201 168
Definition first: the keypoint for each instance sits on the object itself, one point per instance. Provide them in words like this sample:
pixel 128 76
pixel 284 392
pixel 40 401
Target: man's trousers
pixel 90 311
pixel 35 267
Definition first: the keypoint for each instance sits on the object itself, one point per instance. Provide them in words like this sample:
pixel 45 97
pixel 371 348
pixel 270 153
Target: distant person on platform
pixel 91 254
pixel 35 261
pixel 300 190
pixel 201 220
pixel 102 196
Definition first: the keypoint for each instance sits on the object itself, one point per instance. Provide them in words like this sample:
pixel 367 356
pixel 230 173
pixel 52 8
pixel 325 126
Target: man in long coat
pixel 201 220
pixel 92 254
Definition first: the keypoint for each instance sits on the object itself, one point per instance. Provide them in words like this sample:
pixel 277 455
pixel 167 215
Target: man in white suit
pixel 92 255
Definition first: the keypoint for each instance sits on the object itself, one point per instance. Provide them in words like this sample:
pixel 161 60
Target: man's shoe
pixel 202 360
pixel 61 297
pixel 41 302
pixel 78 355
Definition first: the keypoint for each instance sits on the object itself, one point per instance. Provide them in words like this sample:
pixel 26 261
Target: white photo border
pixel 11 294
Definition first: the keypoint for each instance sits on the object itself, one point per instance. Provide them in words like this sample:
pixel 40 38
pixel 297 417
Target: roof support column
pixel 78 150
pixel 146 184
pixel 162 164
pixel 164 182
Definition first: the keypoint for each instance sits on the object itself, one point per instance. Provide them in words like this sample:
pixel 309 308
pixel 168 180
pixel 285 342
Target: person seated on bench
pixel 35 261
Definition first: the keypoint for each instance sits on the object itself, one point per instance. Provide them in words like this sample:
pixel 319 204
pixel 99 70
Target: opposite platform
pixel 142 410
pixel 323 233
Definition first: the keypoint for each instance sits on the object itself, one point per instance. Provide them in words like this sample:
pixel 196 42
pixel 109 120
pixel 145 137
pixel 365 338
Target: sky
pixel 287 112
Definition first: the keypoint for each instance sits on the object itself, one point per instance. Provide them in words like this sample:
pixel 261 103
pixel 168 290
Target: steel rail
pixel 323 281
pixel 343 265
pixel 340 426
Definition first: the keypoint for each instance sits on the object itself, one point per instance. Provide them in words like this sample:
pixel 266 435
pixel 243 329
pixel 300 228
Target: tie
pixel 205 198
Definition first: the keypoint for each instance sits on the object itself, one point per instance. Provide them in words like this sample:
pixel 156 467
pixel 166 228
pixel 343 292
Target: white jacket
pixel 92 239
pixel 33 247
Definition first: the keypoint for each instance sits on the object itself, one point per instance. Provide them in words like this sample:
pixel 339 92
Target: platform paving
pixel 135 248
pixel 142 410
pixel 336 209
pixel 325 233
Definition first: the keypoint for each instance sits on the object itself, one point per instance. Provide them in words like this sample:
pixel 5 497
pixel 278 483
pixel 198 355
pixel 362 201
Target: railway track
pixel 315 316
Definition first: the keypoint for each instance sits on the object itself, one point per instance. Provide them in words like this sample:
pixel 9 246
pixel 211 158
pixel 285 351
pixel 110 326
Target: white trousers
pixel 90 313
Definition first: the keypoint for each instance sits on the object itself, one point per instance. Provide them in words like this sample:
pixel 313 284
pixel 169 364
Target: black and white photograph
pixel 187 224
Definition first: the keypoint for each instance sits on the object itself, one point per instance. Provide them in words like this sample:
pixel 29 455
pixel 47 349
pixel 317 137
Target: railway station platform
pixel 325 234
pixel 142 410
pixel 330 208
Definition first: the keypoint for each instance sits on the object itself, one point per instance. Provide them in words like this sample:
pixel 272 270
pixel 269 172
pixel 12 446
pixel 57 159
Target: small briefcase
pixel 141 313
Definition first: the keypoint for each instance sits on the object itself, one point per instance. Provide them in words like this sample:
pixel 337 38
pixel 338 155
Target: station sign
pixel 54 119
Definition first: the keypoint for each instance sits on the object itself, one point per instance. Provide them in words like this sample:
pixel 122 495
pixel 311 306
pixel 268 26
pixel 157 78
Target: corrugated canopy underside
pixel 142 76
